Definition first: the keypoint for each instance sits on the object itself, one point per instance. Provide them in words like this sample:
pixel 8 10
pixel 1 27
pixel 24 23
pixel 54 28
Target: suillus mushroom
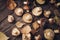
pixel 15 32
pixel 11 5
pixel 26 7
pixel 18 11
pixel 47 13
pixel 40 1
pixel 35 25
pixel 10 18
pixel 26 36
pixel 49 34
pixel 26 29
pixel 37 11
pixel 38 37
pixel 27 17
pixel 19 24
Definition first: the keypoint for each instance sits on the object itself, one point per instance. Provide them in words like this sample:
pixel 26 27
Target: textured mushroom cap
pixel 37 11
pixel 49 34
pixel 27 18
pixel 26 29
pixel 15 32
pixel 18 11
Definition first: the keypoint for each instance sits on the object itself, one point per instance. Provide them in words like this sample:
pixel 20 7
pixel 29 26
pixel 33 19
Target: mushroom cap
pixel 47 13
pixel 26 29
pixel 35 25
pixel 37 11
pixel 27 18
pixel 10 18
pixel 15 32
pixel 12 5
pixel 49 34
pixel 19 24
pixel 40 1
pixel 18 11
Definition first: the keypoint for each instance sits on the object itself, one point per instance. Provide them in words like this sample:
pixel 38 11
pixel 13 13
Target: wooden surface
pixel 6 27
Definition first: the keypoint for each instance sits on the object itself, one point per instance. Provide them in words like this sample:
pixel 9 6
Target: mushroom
pixel 26 29
pixel 56 31
pixel 37 11
pixel 19 24
pixel 38 37
pixel 35 25
pixel 15 32
pixel 40 1
pixel 27 17
pixel 26 7
pixel 25 2
pixel 51 20
pixel 58 4
pixel 10 18
pixel 47 13
pixel 11 5
pixel 49 34
pixel 26 36
pixel 18 11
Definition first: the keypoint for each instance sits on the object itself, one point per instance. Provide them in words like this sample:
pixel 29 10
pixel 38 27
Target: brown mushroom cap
pixel 35 25
pixel 18 11
pixel 10 18
pixel 47 13
pixel 27 18
pixel 11 5
pixel 49 34
pixel 40 1
pixel 26 29
pixel 26 7
pixel 19 24
pixel 37 11
pixel 15 32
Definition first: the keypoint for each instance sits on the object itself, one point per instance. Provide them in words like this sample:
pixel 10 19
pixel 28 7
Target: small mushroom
pixel 26 7
pixel 56 31
pixel 11 5
pixel 49 34
pixel 19 24
pixel 26 36
pixel 38 37
pixel 25 2
pixel 15 32
pixel 51 20
pixel 40 1
pixel 47 13
pixel 37 11
pixel 18 11
pixel 10 18
pixel 58 4
pixel 27 17
pixel 26 29
pixel 35 25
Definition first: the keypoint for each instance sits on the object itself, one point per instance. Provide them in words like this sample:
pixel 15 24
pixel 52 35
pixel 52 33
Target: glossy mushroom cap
pixel 15 32
pixel 27 17
pixel 40 1
pixel 49 34
pixel 37 11
pixel 11 5
pixel 18 11
pixel 26 29
pixel 10 18
pixel 47 13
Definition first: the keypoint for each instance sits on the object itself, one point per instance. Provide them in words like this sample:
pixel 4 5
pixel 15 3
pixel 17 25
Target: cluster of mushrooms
pixel 24 27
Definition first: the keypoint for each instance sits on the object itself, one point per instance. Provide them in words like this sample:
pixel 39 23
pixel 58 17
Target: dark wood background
pixel 6 27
